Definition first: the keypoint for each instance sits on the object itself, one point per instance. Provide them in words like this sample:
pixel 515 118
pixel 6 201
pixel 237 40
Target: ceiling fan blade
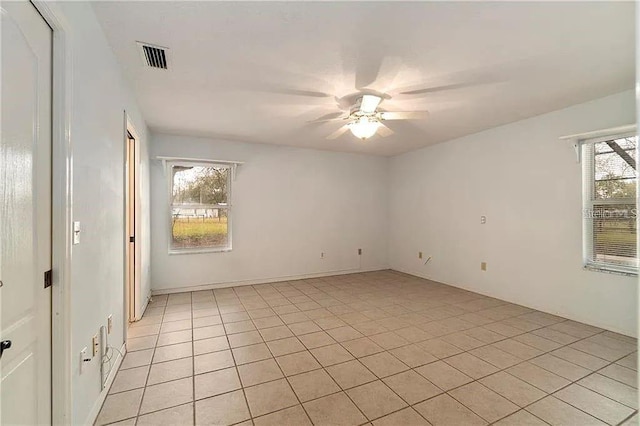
pixel 384 131
pixel 369 103
pixel 367 68
pixel 338 132
pixel 403 115
pixel 332 116
pixel 280 90
pixel 437 88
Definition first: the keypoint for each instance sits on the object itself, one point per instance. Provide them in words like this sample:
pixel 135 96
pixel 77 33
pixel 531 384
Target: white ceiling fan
pixel 365 120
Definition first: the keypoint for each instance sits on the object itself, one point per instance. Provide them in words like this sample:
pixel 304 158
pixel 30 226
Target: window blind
pixel 610 185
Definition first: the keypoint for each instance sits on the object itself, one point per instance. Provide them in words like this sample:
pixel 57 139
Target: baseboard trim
pixel 518 302
pixel 226 284
pixel 95 410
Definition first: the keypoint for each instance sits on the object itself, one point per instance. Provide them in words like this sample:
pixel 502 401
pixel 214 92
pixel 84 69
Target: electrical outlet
pixel 359 252
pixel 83 358
pixel 109 324
pixel 483 266
pixel 419 255
pixel 483 220
pixel 96 345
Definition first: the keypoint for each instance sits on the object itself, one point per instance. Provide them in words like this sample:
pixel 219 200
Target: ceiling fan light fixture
pixel 364 127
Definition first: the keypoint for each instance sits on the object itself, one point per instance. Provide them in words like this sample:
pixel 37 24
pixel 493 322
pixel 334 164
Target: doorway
pixel 132 225
pixel 25 216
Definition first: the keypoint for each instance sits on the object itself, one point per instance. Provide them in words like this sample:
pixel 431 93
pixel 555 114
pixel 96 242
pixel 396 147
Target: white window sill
pixel 200 251
pixel 605 270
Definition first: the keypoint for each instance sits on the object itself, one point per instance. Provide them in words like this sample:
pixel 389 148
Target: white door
pixel 25 215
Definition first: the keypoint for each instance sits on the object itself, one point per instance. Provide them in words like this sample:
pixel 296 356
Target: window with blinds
pixel 610 182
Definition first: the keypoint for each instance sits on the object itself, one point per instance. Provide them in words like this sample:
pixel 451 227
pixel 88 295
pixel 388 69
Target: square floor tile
pixel 484 402
pixel 296 363
pixel 275 333
pixel 269 397
pixel 213 361
pixel 259 372
pixel 304 327
pixel 175 326
pixel 443 375
pixel 350 374
pixel 383 364
pixel 213 344
pixel 171 352
pixel 335 410
pixel 208 332
pixel 560 367
pixel 413 355
pixel 517 349
pixel 175 337
pixel 140 343
pixel 621 374
pixel 521 418
pixel 446 411
pixel 332 354
pixel 244 339
pixel 120 406
pixel 613 389
pixel 137 359
pixel 556 412
pixel 170 370
pixel 316 340
pixel 537 342
pixel 439 348
pixel 538 377
pixel 267 322
pixel 375 399
pixel 389 340
pixel 512 388
pixel 412 387
pixel 495 356
pixel 595 404
pixel 216 383
pixel 252 353
pixel 285 346
pixel 294 416
pixel 407 416
pixel 180 415
pixel 362 347
pixel 580 358
pixel 167 395
pixel 238 327
pixel 225 409
pixel 470 365
pixel 313 384
pixel 132 378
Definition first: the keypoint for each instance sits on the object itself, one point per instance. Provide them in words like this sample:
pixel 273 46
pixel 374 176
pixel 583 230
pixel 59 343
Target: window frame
pixel 589 203
pixel 195 163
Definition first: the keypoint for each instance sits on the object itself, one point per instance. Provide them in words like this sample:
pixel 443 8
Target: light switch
pixel 76 233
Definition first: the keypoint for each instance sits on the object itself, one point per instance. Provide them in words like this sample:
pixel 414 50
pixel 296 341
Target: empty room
pixel 318 213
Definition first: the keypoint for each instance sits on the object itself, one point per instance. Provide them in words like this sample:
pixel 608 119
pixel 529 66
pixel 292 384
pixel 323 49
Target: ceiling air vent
pixel 154 56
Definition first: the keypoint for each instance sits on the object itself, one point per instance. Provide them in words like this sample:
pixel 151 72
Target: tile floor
pixel 379 348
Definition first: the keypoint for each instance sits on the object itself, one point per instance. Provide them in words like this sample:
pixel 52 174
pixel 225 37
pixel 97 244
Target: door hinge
pixel 132 239
pixel 47 278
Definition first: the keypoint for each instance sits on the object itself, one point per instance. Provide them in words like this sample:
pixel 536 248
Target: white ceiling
pixel 234 64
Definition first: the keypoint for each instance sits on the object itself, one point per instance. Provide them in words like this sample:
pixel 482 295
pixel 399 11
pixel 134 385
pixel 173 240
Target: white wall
pixel 99 100
pixel 289 205
pixel 528 184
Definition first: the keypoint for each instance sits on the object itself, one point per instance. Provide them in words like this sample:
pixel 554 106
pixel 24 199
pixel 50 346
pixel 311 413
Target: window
pixel 610 179
pixel 200 208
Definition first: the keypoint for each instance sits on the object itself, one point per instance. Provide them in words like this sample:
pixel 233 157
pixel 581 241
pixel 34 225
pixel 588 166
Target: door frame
pixel 62 214
pixel 128 306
